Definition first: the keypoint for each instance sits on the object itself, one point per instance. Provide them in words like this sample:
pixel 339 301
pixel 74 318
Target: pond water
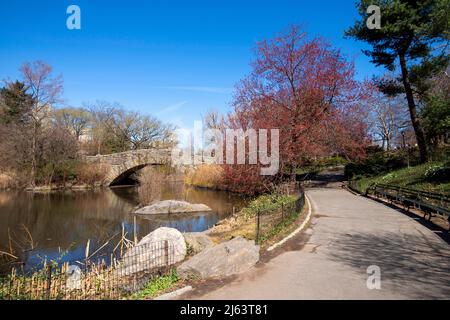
pixel 61 223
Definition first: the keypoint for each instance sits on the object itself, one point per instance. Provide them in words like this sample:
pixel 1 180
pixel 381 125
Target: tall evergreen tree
pixel 414 37
pixel 15 103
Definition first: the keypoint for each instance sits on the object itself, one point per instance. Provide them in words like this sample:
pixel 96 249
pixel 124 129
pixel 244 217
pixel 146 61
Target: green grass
pixel 279 228
pixel 158 286
pixel 416 177
pixel 267 202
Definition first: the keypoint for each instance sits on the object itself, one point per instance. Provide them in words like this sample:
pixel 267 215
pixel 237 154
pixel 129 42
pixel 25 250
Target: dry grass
pixel 150 182
pixel 8 179
pixel 92 174
pixel 238 225
pixel 205 176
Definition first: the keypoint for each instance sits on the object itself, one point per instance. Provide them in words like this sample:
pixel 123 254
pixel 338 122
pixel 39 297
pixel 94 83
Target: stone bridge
pixel 122 165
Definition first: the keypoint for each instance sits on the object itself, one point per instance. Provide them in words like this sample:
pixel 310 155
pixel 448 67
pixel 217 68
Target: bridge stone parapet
pixel 121 165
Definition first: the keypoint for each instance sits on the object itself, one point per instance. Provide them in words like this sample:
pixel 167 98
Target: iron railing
pixel 104 278
pixel 430 203
pixel 269 221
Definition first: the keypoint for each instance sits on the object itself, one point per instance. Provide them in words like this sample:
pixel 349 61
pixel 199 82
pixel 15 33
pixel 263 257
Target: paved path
pixel 348 234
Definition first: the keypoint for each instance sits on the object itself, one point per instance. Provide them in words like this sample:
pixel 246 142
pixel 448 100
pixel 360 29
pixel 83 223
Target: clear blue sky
pixel 172 59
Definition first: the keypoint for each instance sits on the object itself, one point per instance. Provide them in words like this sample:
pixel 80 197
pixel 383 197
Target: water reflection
pixel 59 221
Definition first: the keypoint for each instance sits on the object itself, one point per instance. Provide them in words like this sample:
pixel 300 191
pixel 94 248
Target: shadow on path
pixel 331 178
pixel 443 233
pixel 417 268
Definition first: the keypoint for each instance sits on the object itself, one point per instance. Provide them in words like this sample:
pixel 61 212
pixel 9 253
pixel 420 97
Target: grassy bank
pixel 432 176
pixel 78 175
pixel 158 286
pixel 244 223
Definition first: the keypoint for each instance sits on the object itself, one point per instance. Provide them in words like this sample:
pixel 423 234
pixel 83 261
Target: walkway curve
pixel 349 233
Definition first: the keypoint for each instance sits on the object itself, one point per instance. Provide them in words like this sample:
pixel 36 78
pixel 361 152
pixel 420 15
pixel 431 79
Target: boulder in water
pixel 172 206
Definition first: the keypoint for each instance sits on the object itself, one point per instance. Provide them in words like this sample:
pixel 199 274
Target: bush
pixel 380 162
pixel 57 172
pixel 438 173
pixel 8 180
pixel 91 174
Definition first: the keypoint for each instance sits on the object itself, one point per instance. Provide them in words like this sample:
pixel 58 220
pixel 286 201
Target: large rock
pixel 197 241
pixel 225 259
pixel 172 206
pixel 162 247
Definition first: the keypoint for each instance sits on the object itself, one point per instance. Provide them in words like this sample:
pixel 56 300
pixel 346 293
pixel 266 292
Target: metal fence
pixel 430 203
pixel 106 277
pixel 269 222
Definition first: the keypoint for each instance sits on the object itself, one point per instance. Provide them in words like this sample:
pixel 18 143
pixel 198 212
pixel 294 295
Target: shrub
pixel 378 163
pixel 91 174
pixel 438 173
pixel 8 180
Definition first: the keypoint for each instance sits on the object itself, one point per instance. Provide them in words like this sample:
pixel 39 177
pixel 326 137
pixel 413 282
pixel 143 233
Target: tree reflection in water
pixel 66 220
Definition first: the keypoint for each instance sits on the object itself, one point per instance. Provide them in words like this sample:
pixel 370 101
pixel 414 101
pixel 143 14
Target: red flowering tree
pixel 306 89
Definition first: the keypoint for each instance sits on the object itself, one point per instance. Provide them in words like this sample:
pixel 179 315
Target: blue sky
pixel 171 59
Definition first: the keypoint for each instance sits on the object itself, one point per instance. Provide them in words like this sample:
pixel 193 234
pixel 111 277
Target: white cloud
pixel 172 107
pixel 205 89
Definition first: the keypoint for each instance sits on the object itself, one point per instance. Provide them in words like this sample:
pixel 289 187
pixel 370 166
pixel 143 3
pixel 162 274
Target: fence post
pixel 49 281
pixel 257 226
pixel 10 286
pixel 166 253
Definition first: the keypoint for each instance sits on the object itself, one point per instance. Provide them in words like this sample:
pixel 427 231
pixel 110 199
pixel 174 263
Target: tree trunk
pixel 33 156
pixel 418 130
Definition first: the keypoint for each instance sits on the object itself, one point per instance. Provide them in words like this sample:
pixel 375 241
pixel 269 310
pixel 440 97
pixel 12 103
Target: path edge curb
pixel 174 294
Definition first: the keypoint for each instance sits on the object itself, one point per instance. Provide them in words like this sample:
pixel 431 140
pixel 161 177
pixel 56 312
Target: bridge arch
pixel 122 165
pixel 125 175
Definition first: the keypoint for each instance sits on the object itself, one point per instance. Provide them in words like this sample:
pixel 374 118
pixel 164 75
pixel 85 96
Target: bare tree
pixel 101 113
pixel 59 146
pixel 127 130
pixel 45 91
pixel 76 120
pixel 389 121
pixel 387 118
pixel 212 119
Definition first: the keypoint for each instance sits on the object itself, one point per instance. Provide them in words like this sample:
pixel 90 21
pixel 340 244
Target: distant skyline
pixel 174 60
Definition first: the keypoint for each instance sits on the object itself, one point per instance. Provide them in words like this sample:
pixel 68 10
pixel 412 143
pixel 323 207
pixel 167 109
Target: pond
pixel 58 225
